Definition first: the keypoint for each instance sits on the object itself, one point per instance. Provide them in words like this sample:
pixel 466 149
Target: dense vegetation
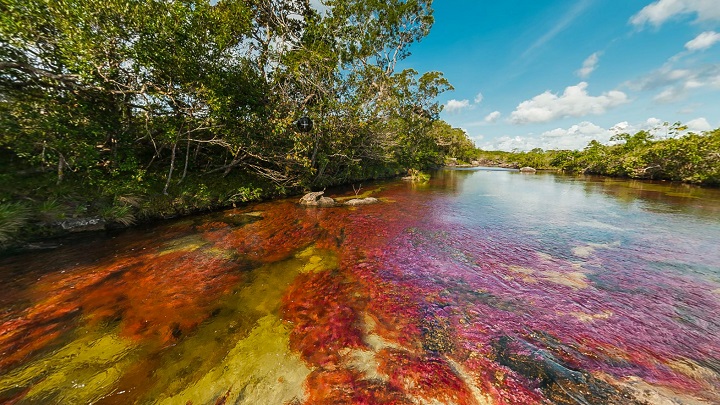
pixel 137 108
pixel 691 158
pixel 134 109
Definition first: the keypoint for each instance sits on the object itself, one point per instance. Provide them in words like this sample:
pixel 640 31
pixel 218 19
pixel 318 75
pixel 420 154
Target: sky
pixel 556 74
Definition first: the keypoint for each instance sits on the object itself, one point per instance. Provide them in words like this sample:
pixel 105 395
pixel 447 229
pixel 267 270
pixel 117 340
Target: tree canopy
pixel 133 99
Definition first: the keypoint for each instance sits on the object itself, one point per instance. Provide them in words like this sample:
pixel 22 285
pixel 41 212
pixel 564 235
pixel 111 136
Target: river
pixel 477 287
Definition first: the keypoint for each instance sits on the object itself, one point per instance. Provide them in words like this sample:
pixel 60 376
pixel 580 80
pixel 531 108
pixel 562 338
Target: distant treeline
pixel 691 158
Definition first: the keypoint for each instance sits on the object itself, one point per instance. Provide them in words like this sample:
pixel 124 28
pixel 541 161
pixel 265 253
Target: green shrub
pixel 13 216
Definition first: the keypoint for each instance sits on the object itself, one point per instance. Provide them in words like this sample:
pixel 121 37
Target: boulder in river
pixel 527 169
pixel 362 201
pixel 316 199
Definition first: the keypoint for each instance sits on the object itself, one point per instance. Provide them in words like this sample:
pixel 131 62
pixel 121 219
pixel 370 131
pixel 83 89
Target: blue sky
pixel 556 74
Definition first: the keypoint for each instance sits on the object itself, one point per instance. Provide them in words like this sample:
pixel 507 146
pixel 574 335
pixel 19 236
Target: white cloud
pixel 507 143
pixel 650 123
pixel 676 84
pixel 574 102
pixel 699 125
pixel 661 11
pixel 589 65
pixel 579 136
pixel 703 41
pixel 575 137
pixel 493 116
pixel 456 105
pixel 479 98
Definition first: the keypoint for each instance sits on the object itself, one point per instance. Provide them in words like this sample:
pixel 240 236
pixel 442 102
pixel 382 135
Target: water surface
pixel 477 287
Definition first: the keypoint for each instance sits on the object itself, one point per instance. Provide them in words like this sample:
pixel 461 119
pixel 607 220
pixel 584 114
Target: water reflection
pixel 475 287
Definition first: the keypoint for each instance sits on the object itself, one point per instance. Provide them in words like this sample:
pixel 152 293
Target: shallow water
pixel 477 287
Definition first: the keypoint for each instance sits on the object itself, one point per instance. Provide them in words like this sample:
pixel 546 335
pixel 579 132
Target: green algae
pixel 185 244
pixel 367 193
pixel 318 260
pixel 234 320
pixel 83 371
pixel 241 352
pixel 259 369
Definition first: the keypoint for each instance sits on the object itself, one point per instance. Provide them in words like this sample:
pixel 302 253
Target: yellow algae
pixel 698 373
pixel 521 270
pixel 184 244
pixel 585 317
pixel 367 193
pixel 220 253
pixel 259 369
pixel 83 371
pixel 646 393
pixel 574 279
pixel 317 260
pixel 544 256
pixel 481 397
pixel 583 251
pixel 681 194
pixel 234 318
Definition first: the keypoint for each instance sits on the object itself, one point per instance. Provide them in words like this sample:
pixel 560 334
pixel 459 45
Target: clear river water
pixel 477 287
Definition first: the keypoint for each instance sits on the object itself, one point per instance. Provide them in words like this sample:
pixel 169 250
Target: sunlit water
pixel 479 287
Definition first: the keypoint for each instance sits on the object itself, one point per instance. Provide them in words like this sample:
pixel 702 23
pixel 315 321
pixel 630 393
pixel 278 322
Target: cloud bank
pixel 578 136
pixel 589 65
pixel 574 102
pixel 703 41
pixel 492 117
pixel 453 105
pixel 661 11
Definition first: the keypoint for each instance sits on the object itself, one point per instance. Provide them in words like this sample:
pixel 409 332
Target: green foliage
pixel 693 158
pixel 122 214
pixel 418 176
pixel 13 216
pixel 136 109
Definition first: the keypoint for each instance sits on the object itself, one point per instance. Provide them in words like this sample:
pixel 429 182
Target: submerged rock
pixel 558 382
pixel 362 201
pixel 316 199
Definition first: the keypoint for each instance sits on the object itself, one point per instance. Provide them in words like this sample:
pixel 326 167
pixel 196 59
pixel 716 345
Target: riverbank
pixel 41 210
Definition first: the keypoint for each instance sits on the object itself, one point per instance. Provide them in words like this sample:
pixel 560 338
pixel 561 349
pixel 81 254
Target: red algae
pixel 428 377
pixel 163 305
pixel 324 316
pixel 343 386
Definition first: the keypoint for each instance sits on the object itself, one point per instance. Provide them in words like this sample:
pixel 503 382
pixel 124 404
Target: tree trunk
pixel 172 167
pixel 187 158
pixel 60 167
